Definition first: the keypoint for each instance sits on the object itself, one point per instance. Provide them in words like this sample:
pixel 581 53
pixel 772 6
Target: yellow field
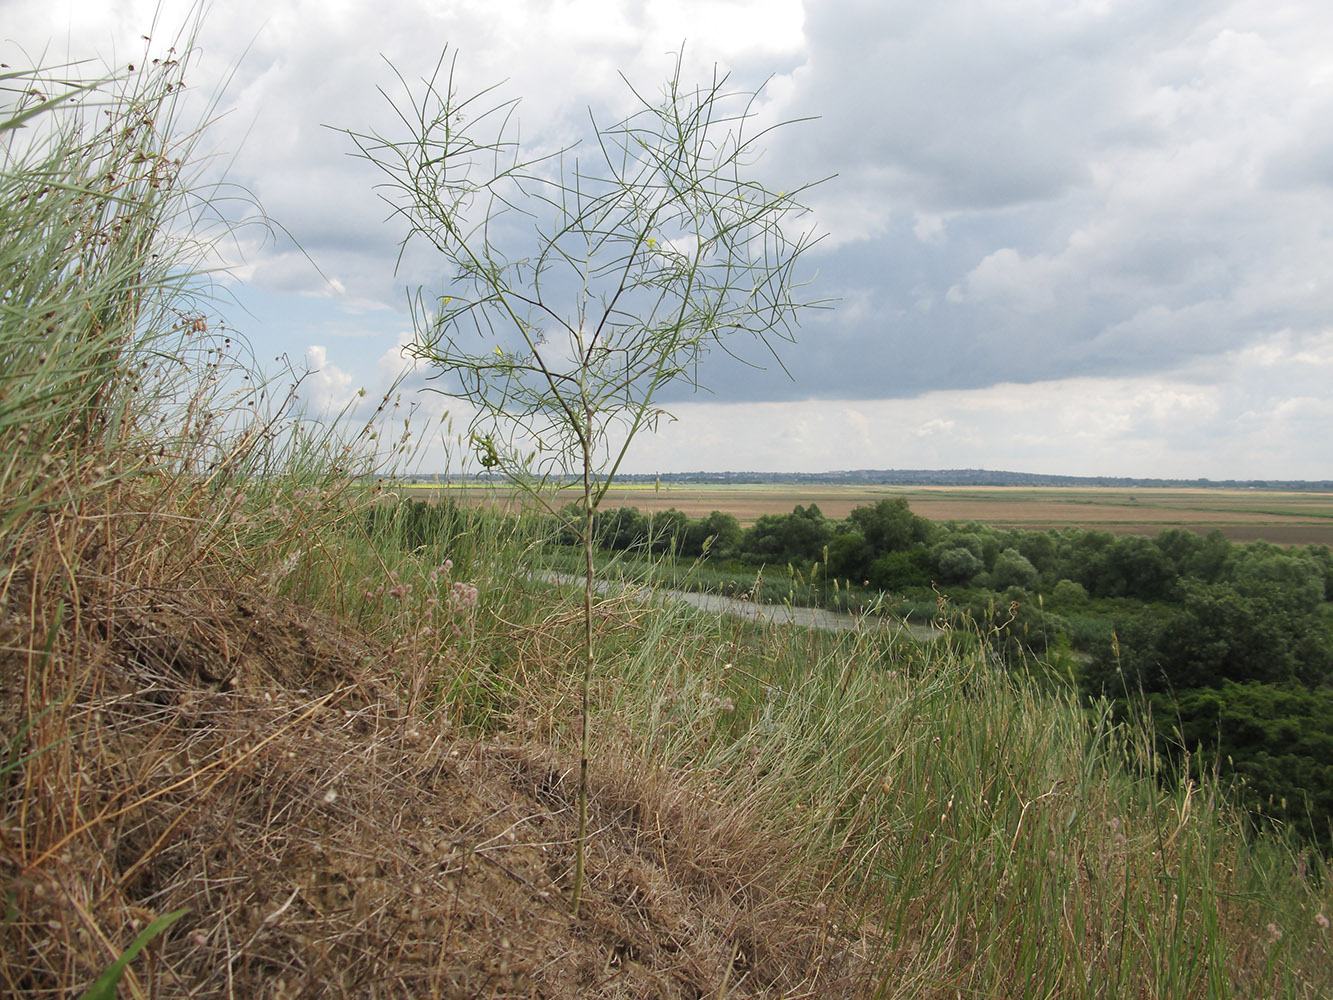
pixel 1241 515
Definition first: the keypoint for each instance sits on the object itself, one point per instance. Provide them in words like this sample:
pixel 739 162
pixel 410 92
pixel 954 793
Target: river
pixel 830 621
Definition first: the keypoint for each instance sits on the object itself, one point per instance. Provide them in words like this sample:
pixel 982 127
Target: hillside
pixel 253 764
pixel 260 738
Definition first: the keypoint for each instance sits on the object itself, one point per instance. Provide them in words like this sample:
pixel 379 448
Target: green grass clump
pixel 984 834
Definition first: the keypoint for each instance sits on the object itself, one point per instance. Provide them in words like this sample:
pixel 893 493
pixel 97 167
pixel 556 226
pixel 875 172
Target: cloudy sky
pixel 1087 237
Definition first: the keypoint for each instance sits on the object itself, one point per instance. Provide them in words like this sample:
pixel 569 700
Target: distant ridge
pixel 973 477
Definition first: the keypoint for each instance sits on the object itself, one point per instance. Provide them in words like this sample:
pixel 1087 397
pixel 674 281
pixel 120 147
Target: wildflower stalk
pixel 656 249
pixel 589 582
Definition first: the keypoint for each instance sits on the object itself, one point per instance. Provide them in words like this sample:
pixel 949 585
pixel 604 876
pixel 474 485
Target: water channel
pixel 780 614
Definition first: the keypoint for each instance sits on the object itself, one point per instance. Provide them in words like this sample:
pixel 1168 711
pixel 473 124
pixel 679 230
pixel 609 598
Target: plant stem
pixel 588 583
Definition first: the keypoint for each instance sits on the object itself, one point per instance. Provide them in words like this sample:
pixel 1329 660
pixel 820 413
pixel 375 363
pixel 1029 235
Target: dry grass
pixel 191 742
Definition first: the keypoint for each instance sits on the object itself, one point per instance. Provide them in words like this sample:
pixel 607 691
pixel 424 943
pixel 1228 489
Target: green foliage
pixel 1039 548
pixel 849 555
pixel 958 565
pixel 718 535
pixel 667 531
pixel 1275 740
pixel 1322 557
pixel 890 526
pixel 105 986
pixel 900 570
pixel 1218 633
pixel 1012 569
pixel 798 537
pixel 1269 573
pixel 1069 594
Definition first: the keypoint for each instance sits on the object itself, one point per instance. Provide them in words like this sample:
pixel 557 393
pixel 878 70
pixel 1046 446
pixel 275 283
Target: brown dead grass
pixel 187 744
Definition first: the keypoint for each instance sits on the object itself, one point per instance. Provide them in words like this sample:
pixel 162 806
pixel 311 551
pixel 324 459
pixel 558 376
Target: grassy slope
pixel 218 693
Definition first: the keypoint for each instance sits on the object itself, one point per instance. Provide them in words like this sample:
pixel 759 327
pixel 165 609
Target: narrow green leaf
pixel 105 987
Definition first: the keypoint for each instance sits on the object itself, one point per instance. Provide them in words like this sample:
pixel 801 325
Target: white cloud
pixel 938 425
pixel 1007 279
pixel 327 389
pixel 1085 236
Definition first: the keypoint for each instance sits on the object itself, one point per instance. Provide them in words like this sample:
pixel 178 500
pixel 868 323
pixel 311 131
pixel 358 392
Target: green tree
pixel 620 529
pixel 890 526
pixel 800 536
pixel 900 570
pixel 849 554
pixel 1267 571
pixel 958 565
pixel 667 531
pixel 1136 567
pixel 1012 569
pixel 1277 738
pixel 1086 562
pixel 1069 594
pixel 1209 561
pixel 1039 548
pixel 1220 633
pixel 717 535
pixel 1322 557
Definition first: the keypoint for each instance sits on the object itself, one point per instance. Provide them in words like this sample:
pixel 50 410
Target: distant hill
pixel 943 477
pixel 974 477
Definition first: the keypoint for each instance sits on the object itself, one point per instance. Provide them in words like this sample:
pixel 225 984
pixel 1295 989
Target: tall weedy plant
pixel 578 289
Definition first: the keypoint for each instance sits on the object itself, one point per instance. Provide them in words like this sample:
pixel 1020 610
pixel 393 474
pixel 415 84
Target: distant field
pixel 1241 515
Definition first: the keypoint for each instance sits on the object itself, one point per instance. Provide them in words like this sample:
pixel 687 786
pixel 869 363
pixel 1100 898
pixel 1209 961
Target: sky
pixel 1077 237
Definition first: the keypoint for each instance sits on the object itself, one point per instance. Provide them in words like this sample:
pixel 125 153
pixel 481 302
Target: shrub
pixel 1012 569
pixel 1069 594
